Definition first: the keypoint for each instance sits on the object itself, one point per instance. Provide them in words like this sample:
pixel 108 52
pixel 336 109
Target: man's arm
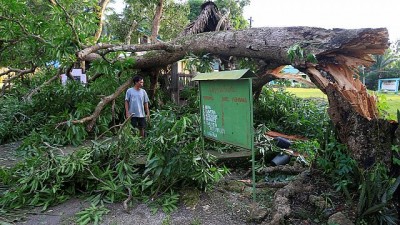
pixel 126 109
pixel 146 108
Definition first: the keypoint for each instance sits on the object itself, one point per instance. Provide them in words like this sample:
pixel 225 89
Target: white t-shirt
pixel 136 100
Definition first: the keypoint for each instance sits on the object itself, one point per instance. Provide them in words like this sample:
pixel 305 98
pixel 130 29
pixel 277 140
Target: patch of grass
pixel 307 92
pixel 393 100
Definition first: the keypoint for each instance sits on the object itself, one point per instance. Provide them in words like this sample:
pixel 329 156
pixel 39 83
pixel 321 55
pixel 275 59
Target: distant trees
pixel 385 66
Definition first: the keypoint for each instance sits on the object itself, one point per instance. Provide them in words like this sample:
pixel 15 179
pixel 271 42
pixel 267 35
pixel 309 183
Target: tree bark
pixel 370 140
pixel 269 44
pixel 130 31
pixel 100 11
pixel 156 21
pixel 91 120
pixel 154 74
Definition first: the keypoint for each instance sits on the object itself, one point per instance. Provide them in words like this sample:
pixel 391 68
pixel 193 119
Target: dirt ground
pixel 230 202
pixel 211 209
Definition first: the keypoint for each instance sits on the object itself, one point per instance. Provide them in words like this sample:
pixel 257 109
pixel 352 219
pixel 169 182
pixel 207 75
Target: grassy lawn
pixel 392 100
pixel 393 104
pixel 307 92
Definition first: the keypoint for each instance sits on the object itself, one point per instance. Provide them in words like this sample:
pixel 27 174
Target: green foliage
pixel 51 176
pixel 108 170
pixel 140 14
pixel 167 220
pixel 334 159
pixel 283 112
pixel 92 214
pixel 202 64
pixel 247 63
pixel 385 66
pixel 53 32
pixel 17 119
pixel 376 191
pixel 235 8
pixel 309 148
pixel 52 111
pixel 382 105
pixel 195 9
pixel 396 154
pixel 296 53
pixel 167 202
pixel 50 186
pixel 175 154
pixel 190 94
pixel 174 19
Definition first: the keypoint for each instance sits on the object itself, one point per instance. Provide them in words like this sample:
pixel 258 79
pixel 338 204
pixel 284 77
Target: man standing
pixel 137 105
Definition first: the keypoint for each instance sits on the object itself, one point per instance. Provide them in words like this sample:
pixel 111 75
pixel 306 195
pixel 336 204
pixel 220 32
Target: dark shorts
pixel 138 122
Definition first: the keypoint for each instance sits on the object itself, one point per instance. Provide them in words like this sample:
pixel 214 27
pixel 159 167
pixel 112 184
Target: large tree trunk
pixel 153 84
pixel 369 139
pixel 338 53
pixel 268 44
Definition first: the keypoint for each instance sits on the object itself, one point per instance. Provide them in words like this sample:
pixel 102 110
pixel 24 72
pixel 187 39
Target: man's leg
pixel 135 124
pixel 142 125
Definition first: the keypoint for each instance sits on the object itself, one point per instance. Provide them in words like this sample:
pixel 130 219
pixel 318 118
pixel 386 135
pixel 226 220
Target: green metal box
pixel 227 107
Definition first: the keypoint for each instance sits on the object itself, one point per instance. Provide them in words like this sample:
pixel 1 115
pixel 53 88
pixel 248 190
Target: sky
pixel 348 14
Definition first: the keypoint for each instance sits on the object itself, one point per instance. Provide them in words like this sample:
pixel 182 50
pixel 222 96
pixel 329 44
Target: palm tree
pixel 383 62
pixel 383 65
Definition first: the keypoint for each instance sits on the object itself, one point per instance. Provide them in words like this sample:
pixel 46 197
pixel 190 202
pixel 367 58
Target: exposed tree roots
pixel 281 208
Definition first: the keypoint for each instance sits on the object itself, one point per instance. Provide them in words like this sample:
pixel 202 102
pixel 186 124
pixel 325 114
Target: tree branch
pixel 91 120
pixel 25 31
pixel 70 22
pixel 83 54
pixel 7 72
pixel 19 74
pixel 130 31
pixel 99 13
pixel 28 97
pixel 156 21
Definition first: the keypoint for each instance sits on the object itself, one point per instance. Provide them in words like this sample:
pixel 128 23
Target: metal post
pixel 250 20
pixel 253 164
pixel 201 119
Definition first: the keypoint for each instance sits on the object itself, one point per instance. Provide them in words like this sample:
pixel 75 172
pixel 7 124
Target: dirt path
pixel 215 207
pixel 8 157
pixel 228 203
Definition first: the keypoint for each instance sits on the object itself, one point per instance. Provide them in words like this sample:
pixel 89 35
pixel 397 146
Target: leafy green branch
pixel 297 53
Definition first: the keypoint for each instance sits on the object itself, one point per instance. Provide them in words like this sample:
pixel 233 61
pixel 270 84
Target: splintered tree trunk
pixel 352 110
pixel 369 139
pixel 338 52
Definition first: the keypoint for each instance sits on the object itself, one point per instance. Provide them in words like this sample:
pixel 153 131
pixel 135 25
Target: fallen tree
pixel 329 57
